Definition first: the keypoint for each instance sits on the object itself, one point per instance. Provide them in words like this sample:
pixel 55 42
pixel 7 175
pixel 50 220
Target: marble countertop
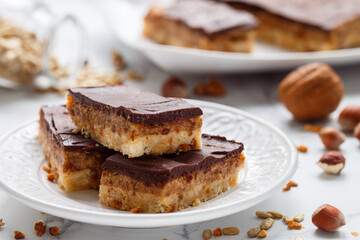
pixel 254 93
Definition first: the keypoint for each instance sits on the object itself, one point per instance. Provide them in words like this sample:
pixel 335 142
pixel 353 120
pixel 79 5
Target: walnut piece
pixel 217 232
pixel 18 235
pixel 54 230
pixel 39 228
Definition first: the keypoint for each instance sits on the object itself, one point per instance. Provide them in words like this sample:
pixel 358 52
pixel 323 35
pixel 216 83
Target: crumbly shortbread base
pixel 299 37
pixel 132 139
pixel 166 31
pixel 123 192
pixel 73 170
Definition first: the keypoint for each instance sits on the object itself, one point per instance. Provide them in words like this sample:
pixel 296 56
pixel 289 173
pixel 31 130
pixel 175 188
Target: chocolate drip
pixel 59 124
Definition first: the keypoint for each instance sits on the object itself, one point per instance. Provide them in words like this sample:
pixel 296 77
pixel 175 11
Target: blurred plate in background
pixel 126 19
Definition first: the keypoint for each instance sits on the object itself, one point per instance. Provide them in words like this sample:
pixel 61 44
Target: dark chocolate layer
pixel 135 105
pixel 59 124
pixel 209 17
pixel 161 169
pixel 323 14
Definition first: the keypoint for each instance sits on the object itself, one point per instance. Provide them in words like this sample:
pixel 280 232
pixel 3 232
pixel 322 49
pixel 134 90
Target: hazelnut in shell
pixel 311 91
pixel 349 117
pixel 332 162
pixel 328 218
pixel 357 131
pixel 331 137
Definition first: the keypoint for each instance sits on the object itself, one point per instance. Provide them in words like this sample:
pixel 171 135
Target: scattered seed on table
pixel 230 231
pixel 266 224
pixel 262 214
pixel 207 234
pixel 253 232
pixel 276 214
pixel 287 219
pixel 299 218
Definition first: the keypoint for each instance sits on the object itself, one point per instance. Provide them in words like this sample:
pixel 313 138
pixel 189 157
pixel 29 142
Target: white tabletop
pixel 254 93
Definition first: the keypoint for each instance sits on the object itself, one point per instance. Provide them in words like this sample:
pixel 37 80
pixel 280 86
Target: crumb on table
pixel 54 230
pixel 18 235
pixel 290 185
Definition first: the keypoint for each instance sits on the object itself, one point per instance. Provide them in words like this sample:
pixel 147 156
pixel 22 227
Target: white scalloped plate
pixel 271 161
pixel 126 20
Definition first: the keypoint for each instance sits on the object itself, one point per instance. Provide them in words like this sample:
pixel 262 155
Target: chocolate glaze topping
pixel 323 14
pixel 209 17
pixel 59 124
pixel 135 105
pixel 161 169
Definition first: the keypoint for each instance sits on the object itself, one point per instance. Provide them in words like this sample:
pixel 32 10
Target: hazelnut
pixel 349 117
pixel 174 87
pixel 332 162
pixel 311 91
pixel 331 137
pixel 328 218
pixel 357 131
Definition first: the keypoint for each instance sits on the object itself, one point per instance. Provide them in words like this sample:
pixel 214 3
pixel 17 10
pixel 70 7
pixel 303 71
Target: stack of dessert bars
pixel 144 152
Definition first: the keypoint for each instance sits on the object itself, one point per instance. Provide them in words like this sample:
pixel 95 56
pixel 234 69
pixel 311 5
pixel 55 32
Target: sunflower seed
pixel 253 232
pixel 266 224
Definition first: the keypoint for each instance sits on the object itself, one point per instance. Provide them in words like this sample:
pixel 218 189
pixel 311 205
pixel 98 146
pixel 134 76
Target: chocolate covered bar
pixel 134 122
pixel 75 160
pixel 201 24
pixel 304 25
pixel 168 183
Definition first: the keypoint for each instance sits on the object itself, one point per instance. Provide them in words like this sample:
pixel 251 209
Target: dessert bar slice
pixel 201 24
pixel 304 25
pixel 134 122
pixel 168 183
pixel 75 160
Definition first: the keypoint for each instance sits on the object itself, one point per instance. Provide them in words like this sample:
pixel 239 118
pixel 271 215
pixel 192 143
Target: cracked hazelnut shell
pixel 332 162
